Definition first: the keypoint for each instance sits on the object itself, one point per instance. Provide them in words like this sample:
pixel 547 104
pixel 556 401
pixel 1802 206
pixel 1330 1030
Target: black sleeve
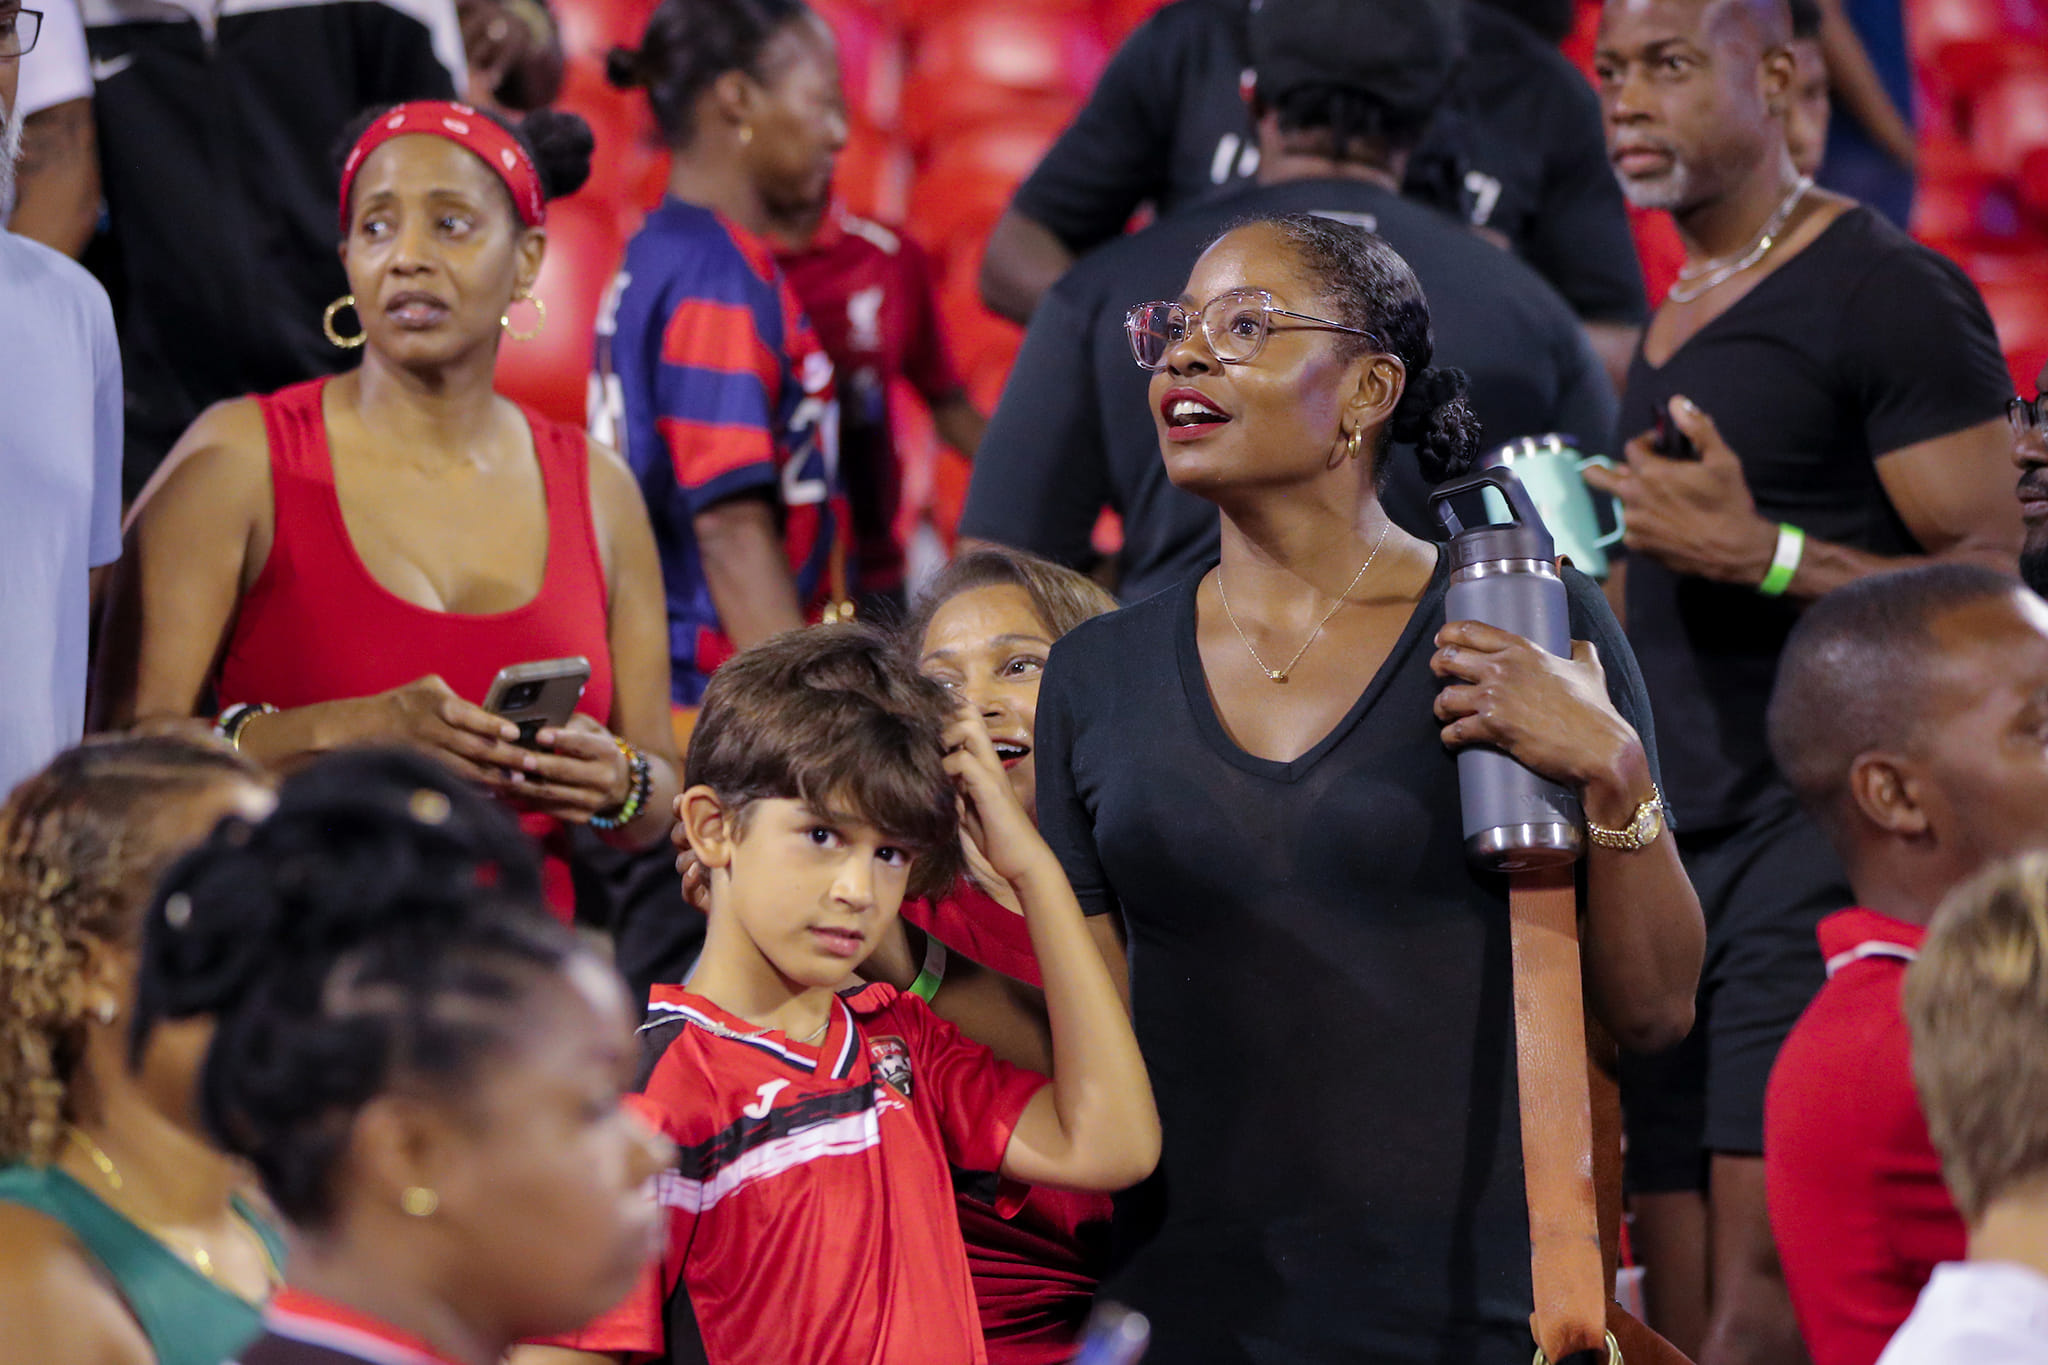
pixel 1593 621
pixel 1116 154
pixel 1041 473
pixel 1587 406
pixel 411 50
pixel 1062 817
pixel 1921 354
pixel 1579 237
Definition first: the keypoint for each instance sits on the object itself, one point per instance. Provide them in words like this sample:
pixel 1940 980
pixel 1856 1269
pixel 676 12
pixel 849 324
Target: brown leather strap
pixel 1566 1266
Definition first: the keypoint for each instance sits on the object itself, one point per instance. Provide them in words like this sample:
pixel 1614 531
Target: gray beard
pixel 10 153
pixel 1666 195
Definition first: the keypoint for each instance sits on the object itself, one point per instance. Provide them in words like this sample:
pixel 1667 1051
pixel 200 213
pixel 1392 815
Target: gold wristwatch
pixel 1639 833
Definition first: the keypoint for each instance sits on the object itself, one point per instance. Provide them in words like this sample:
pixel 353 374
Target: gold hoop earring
pixel 418 1201
pixel 540 318
pixel 1351 446
pixel 327 324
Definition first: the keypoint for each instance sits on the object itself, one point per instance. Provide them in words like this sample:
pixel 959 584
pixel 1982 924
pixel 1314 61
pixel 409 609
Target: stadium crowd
pixel 479 887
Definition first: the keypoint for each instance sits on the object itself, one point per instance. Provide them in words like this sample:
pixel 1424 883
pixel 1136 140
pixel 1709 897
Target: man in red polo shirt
pixel 1911 714
pixel 867 290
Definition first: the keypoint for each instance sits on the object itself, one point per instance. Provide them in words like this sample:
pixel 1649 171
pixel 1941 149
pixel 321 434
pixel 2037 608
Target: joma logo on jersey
pixel 890 1057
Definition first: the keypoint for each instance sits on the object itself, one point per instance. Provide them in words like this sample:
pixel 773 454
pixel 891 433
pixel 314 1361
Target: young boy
pixel 811 1214
pixel 1977 1003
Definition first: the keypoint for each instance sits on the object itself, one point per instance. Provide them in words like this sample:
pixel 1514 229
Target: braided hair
pixel 382 928
pixel 688 44
pixel 1374 289
pixel 81 846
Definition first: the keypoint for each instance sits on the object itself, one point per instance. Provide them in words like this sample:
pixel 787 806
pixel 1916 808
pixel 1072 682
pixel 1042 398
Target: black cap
pixel 1399 52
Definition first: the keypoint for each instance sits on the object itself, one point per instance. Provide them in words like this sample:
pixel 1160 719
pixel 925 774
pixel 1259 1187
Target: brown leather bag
pixel 1571 1135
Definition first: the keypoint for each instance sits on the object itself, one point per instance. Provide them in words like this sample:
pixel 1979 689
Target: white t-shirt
pixel 56 70
pixel 1976 1313
pixel 60 492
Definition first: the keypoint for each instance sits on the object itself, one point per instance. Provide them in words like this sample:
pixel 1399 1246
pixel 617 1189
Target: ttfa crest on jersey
pixel 890 1057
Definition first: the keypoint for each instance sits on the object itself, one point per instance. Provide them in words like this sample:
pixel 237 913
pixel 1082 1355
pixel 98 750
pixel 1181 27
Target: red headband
pixel 465 127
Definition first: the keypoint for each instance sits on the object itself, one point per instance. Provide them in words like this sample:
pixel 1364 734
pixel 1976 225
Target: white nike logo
pixel 106 68
pixel 769 1090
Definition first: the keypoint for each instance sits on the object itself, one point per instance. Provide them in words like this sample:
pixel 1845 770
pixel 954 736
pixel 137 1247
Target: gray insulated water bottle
pixel 1502 573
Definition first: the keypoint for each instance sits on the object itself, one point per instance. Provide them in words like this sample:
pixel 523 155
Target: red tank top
pixel 317 626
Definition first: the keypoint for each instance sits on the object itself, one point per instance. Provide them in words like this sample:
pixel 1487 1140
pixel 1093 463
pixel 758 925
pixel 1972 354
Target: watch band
pixel 1639 833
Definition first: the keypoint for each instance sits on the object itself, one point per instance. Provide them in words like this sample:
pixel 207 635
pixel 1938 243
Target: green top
pixel 188 1319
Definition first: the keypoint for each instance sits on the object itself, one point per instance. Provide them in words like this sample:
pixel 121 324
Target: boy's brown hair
pixel 1976 1000
pixel 835 717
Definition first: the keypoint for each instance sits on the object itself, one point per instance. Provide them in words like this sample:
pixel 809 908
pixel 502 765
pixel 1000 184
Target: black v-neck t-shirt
pixel 1321 987
pixel 1862 344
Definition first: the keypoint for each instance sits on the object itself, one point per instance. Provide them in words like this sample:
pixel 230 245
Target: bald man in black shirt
pixel 1843 391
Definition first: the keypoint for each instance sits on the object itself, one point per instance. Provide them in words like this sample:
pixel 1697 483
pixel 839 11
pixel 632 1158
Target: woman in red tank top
pixel 354 559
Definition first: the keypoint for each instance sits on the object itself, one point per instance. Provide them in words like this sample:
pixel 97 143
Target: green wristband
pixel 1784 560
pixel 927 984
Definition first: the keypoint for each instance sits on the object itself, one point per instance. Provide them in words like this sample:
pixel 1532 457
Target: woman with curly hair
pixel 123 1235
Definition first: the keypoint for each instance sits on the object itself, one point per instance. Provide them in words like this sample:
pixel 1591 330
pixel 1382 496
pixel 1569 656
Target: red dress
pixel 1036 1253
pixel 316 626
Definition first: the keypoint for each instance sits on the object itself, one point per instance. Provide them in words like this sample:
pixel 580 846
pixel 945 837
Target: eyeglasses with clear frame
pixel 1235 324
pixel 2029 416
pixel 18 32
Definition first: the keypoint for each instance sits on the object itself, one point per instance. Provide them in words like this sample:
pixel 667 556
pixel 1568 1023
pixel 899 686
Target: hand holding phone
pixel 539 695
pixel 1669 441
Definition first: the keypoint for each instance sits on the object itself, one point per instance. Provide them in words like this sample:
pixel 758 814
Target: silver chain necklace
pixel 713 1026
pixel 1712 274
pixel 1279 675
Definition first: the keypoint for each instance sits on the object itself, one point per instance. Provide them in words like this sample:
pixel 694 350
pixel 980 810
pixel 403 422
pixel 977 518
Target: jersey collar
pixel 1849 936
pixel 300 1316
pixel 833 1055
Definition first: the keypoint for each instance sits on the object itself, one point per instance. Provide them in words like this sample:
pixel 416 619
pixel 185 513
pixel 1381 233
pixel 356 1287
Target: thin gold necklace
pixel 1279 675
pixel 187 1249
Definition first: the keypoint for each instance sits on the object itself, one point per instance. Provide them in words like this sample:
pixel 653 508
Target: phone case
pixel 535 696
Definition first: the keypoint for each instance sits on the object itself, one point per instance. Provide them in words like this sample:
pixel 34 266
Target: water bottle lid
pixel 1477 533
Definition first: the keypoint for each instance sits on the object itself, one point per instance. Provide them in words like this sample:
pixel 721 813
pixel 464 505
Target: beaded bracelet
pixel 231 722
pixel 639 786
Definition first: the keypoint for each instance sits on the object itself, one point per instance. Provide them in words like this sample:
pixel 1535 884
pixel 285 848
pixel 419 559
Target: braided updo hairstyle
pixel 687 45
pixel 81 846
pixel 383 927
pixel 1374 289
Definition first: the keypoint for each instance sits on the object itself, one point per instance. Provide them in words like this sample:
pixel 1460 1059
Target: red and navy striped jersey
pixel 810 1208
pixel 712 384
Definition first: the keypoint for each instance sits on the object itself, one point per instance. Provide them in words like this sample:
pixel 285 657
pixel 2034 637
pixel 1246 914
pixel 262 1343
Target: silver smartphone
pixel 538 695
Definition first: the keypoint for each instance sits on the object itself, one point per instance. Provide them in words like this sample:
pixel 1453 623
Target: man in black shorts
pixel 1839 391
pixel 1074 433
pixel 1516 154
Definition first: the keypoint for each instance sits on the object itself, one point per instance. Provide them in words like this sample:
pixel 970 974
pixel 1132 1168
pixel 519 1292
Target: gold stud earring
pixel 746 134
pixel 327 323
pixel 540 317
pixel 418 1201
pixel 106 1010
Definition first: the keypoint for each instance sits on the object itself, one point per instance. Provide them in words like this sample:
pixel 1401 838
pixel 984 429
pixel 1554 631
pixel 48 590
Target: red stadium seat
pixel 873 176
pixel 918 15
pixel 985 65
pixel 1962 209
pixel 629 171
pixel 1965 43
pixel 2020 308
pixel 2034 186
pixel 870 59
pixel 2009 120
pixel 1119 17
pixel 591 28
pixel 968 182
pixel 552 371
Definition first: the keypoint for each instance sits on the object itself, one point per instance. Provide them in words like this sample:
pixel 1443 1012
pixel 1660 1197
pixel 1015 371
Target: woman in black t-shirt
pixel 1257 770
